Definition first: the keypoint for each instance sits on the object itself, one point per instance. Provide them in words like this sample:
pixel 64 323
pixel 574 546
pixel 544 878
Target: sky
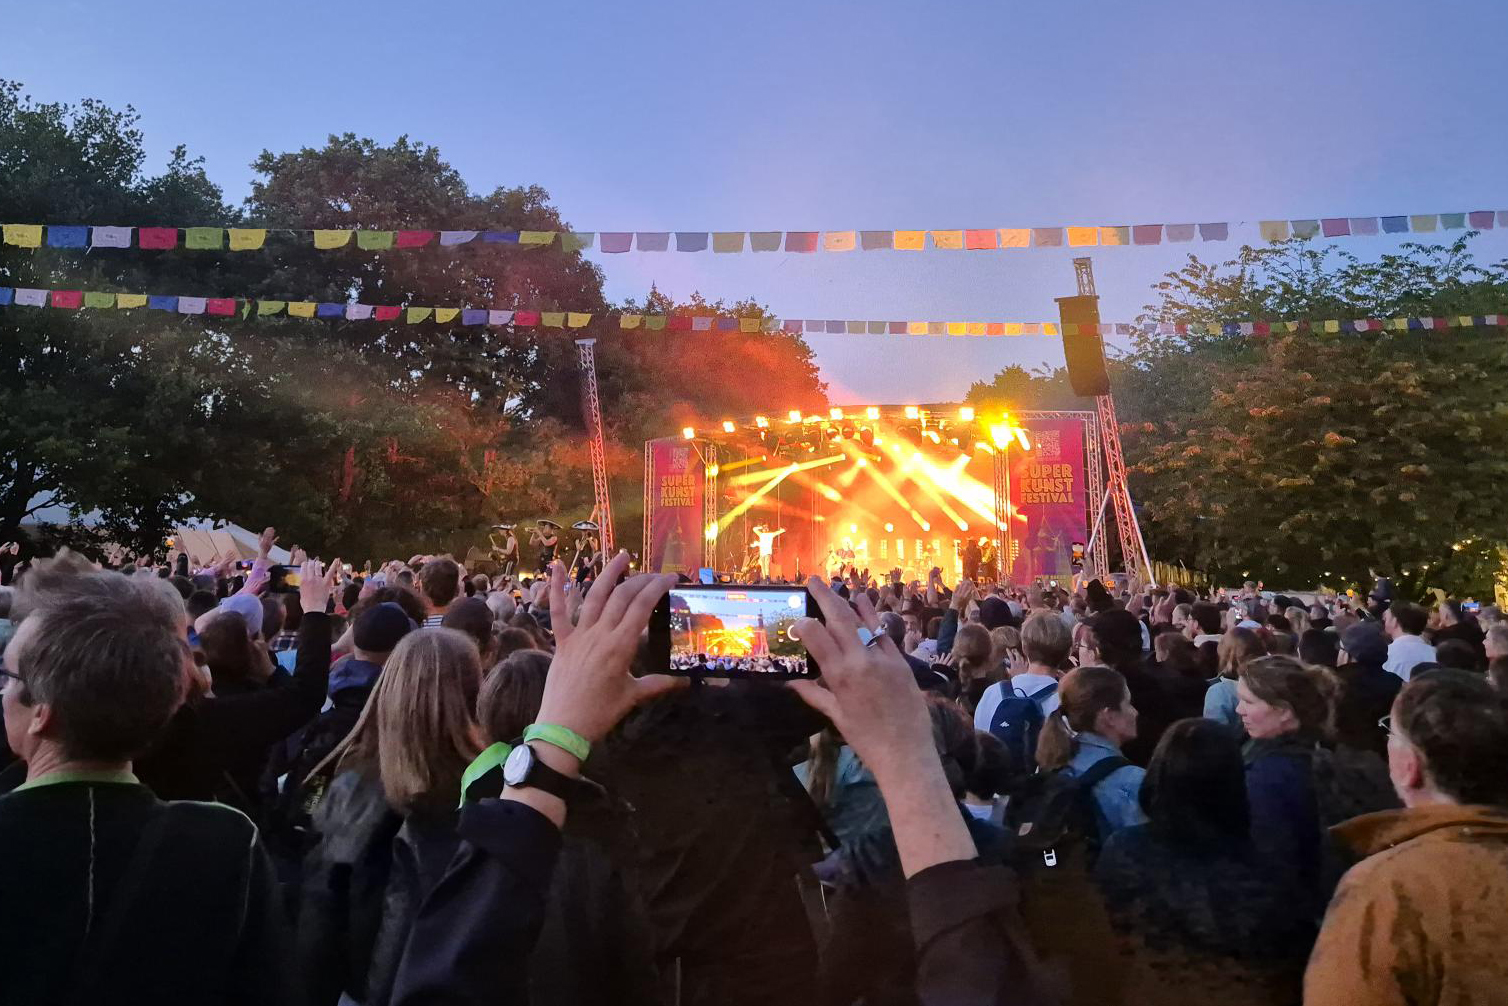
pixel 834 116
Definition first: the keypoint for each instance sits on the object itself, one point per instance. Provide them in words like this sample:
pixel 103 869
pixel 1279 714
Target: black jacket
pixel 1366 696
pixel 208 738
pixel 1201 920
pixel 201 927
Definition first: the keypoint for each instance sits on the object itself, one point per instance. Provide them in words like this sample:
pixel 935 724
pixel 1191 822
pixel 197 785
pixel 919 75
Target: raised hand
pixel 265 541
pixel 316 585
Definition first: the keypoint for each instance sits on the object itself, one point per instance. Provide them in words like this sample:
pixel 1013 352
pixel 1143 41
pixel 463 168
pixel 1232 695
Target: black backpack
pixel 1018 721
pixel 1052 814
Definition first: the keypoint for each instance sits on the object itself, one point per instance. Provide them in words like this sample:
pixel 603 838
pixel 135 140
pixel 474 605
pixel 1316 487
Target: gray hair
pixel 107 655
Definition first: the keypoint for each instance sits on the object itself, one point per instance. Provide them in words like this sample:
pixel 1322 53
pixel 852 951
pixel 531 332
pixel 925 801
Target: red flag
pixel 220 305
pixel 678 323
pixel 995 328
pixel 526 317
pixel 386 313
pixel 68 298
pixel 415 239
pixel 157 237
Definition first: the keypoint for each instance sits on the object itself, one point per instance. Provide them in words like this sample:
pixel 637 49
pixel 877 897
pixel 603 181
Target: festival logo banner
pixel 674 508
pixel 1048 489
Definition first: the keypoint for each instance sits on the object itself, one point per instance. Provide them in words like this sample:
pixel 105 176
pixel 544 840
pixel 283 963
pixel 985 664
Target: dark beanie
pixel 1365 643
pixel 381 627
pixel 995 612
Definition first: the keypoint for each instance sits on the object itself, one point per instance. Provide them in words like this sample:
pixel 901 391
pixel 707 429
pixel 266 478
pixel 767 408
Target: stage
pixel 879 487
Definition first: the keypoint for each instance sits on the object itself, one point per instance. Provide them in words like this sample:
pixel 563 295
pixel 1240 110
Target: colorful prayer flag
pixel 67 298
pixel 1423 223
pixel 270 307
pixel 655 322
pixel 916 328
pixel 7 295
pixel 358 312
pixel 947 239
pixel 157 238
pixel 576 319
pixel 1304 229
pixel 1481 220
pixel 1452 221
pixel 679 323
pixel 154 303
pixel 412 316
pixel 1178 233
pixel 727 242
pixel 1274 230
pixel 855 328
pixel 1364 225
pixel 23 235
pixel 536 237
pixel 981 240
pixel 26 297
pixel 446 315
pixel 654 241
pixel 204 238
pixel 1079 237
pixel 1335 227
pixel 629 320
pixel 1047 237
pixel 67 237
pixel 1115 235
pixel 748 324
pixel 499 317
pixel 1015 237
pixel 413 239
pixel 976 328
pixel 386 312
pixel 875 328
pixel 994 328
pixel 331 239
pixel 1146 234
pixel 552 319
pixel 839 241
pixel 500 237
pixel 876 240
pixel 301 308
pixel 800 241
pixel 192 305
pixel 576 240
pixel 910 240
pixel 330 309
pixel 449 239
pixel 474 316
pixel 1395 225
pixel 247 238
pixel 690 241
pixel 764 241
pixel 220 305
pixel 129 300
pixel 110 237
pixel 374 240
pixel 1214 232
pixel 96 299
pixel 616 242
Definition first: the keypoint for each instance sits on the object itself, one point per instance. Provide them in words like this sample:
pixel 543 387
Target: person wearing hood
pixel 1366 690
pixel 1418 920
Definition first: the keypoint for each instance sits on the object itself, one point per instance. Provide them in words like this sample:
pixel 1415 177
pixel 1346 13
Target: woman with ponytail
pixel 1093 720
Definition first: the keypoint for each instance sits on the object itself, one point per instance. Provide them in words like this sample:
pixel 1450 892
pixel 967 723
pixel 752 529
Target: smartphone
pixel 732 631
pixel 244 563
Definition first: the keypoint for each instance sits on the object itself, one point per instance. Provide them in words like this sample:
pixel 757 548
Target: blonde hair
pixel 1236 649
pixel 1046 640
pixel 972 647
pixel 418 731
pixel 1003 639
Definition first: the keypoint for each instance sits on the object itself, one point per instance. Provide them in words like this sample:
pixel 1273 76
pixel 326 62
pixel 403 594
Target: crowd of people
pixel 426 786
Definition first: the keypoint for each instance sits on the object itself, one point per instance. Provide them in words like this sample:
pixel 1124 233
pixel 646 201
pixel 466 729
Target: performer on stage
pixel 544 535
pixel 765 539
pixel 588 557
pixel 972 558
pixel 505 554
pixel 989 568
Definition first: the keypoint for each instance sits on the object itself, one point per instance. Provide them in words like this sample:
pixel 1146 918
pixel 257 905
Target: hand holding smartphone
pixel 732 631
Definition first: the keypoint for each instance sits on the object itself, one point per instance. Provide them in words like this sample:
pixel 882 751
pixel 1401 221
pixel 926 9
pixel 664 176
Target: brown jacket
pixel 1420 919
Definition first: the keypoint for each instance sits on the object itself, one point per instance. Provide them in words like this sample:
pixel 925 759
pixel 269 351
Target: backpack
pixel 1018 722
pixel 288 801
pixel 1349 783
pixel 1052 813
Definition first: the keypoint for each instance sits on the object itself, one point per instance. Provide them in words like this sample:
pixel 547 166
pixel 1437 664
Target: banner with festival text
pixel 1048 488
pixel 673 512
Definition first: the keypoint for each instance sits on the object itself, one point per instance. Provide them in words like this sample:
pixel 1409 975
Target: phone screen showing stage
pixel 733 631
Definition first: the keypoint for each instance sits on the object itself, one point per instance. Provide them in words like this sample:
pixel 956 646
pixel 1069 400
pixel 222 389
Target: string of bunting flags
pixel 734 242
pixel 74 300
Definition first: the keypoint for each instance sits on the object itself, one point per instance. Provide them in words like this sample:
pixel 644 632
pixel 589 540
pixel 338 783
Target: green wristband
pixel 564 738
pixel 491 758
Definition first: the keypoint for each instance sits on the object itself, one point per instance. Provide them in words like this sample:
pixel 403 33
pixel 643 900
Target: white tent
pixel 209 542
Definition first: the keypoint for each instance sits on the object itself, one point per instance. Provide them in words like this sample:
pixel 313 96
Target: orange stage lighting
pixel 688 433
pixel 728 426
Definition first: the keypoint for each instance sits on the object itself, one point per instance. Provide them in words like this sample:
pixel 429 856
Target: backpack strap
pixel 1042 693
pixel 1101 770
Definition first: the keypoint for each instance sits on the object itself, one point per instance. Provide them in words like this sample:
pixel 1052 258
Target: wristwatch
pixel 524 769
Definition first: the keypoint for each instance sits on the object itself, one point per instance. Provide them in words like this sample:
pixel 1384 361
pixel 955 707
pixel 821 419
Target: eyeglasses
pixel 1386 723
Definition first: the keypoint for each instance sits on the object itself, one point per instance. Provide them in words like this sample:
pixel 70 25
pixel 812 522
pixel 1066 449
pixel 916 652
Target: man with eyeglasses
pixel 114 895
pixel 1419 919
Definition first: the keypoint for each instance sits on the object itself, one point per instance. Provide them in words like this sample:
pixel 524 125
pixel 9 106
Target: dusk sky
pixel 817 116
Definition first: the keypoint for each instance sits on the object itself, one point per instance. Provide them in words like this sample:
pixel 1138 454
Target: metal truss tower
pixel 591 406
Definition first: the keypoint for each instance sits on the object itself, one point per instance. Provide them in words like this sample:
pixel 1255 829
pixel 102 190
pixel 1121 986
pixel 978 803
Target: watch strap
pixel 544 778
pixel 564 738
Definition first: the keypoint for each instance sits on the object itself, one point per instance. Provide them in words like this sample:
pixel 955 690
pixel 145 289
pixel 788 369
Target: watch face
pixel 516 768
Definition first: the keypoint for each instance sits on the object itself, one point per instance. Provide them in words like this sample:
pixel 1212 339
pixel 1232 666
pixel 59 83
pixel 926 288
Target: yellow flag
pixel 838 241
pixel 1332 326
pixel 1013 328
pixel 630 320
pixel 1115 235
pixel 947 239
pixel 911 240
pixel 247 238
pixel 331 239
pixel 301 308
pixel 552 319
pixel 577 320
pixel 413 315
pixel 748 324
pixel 23 235
pixel 1015 237
pixel 1400 324
pixel 266 307
pixel 445 315
pixel 1080 236
pixel 1048 328
pixel 976 328
pixel 536 238
pixel 916 328
pixel 958 328
pixel 1464 321
pixel 130 300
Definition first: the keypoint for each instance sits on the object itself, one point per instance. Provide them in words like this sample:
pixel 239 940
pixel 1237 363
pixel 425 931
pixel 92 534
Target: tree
pixel 1311 457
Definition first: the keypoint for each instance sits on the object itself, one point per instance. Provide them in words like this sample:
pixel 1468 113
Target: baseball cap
pixel 1365 643
pixel 249 607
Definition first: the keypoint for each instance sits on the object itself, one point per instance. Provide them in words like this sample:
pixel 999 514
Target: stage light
pixel 853 529
pixel 862 463
pixel 727 426
pixel 712 531
pixel 878 442
pixel 866 436
pixel 689 433
pixel 849 433
pixel 835 413
pixel 966 414
pixel 926 526
pixel 890 528
pixel 912 412
pixel 872 412
pixel 1026 444
pixel 934 436
pixel 1000 433
pixel 832 432
pixel 712 471
pixel 761 422
pixel 794 416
